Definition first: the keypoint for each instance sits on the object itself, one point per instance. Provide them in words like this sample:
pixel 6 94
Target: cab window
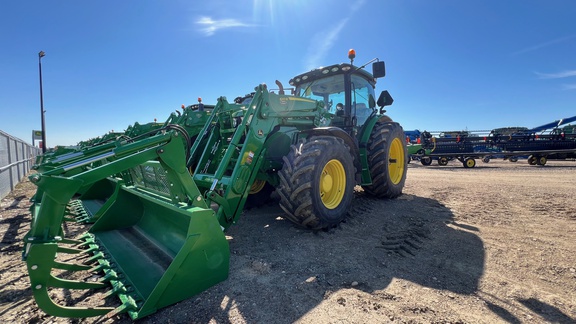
pixel 329 90
pixel 361 92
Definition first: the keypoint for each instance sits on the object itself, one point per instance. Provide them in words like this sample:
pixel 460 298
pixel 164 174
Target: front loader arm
pixel 228 164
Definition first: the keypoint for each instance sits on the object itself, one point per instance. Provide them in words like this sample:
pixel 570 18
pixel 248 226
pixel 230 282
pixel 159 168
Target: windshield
pixel 362 98
pixel 329 90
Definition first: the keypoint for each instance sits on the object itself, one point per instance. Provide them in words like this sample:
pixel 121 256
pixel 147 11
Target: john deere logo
pixel 37 133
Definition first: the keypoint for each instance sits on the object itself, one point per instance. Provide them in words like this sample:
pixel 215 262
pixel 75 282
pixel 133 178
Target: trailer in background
pixel 537 145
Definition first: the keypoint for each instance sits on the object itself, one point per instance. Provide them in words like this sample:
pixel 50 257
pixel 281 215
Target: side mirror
pixel 385 99
pixel 378 69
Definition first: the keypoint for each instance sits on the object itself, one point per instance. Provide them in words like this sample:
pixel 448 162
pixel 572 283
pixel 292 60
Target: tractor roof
pixel 335 69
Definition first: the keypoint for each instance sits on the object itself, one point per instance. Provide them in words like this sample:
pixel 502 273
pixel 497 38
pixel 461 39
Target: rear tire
pixel 317 182
pixel 387 156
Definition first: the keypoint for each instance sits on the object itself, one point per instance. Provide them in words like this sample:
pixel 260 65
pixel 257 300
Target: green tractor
pixel 161 239
pixel 313 147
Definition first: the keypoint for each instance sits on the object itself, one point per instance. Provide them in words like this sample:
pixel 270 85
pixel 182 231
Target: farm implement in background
pixel 537 145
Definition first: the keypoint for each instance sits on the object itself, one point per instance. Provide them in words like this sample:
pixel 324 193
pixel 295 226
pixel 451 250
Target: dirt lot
pixel 493 244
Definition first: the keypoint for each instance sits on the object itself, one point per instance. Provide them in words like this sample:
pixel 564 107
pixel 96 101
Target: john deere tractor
pixel 303 146
pixel 161 237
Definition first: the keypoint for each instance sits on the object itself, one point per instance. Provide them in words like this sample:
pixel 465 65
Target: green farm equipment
pixel 160 238
pixel 190 118
pixel 90 201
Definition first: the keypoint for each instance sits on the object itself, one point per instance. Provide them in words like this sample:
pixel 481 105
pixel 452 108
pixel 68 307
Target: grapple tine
pixel 74 284
pixel 81 220
pixel 91 248
pixel 86 237
pixel 102 264
pixel 69 250
pixel 85 243
pixel 128 305
pixel 84 240
pixel 96 257
pixel 75 212
pixel 46 304
pixel 40 262
pixel 117 288
pixel 109 274
pixel 71 266
pixel 71 242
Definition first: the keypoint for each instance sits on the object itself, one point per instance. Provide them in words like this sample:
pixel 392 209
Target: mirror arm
pixel 372 60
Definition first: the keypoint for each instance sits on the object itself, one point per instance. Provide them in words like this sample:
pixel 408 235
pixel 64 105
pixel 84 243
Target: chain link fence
pixel 16 160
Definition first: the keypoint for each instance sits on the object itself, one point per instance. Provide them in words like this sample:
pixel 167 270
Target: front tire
pixel 259 195
pixel 387 157
pixel 317 182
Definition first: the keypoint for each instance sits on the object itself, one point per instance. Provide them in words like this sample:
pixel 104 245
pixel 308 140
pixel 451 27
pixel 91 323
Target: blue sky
pixel 451 64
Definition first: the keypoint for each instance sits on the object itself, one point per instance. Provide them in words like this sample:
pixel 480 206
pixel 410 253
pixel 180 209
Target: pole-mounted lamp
pixel 40 55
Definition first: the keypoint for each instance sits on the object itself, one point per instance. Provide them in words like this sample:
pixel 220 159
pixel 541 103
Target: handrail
pixel 6 167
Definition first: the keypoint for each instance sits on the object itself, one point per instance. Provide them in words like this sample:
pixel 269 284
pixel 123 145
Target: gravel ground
pixel 492 244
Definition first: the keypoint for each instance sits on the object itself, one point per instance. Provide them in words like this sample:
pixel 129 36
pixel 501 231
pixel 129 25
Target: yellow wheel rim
pixel 332 184
pixel 396 162
pixel 257 186
pixel 542 160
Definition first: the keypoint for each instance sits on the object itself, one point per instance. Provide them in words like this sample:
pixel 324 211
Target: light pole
pixel 40 55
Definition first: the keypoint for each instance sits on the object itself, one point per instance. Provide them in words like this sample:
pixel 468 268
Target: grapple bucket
pixel 149 248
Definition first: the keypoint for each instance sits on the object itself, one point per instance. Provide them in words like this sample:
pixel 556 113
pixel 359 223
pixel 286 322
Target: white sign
pixel 36 134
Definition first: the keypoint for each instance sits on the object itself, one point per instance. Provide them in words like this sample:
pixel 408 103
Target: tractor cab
pixel 347 91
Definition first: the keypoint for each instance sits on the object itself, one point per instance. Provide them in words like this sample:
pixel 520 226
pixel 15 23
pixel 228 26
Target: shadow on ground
pixel 280 272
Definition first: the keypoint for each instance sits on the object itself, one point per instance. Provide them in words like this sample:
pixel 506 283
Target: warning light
pixel 183 106
pixel 199 99
pixel 351 55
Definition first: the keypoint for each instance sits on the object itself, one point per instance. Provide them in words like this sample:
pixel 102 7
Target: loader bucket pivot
pixel 150 247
